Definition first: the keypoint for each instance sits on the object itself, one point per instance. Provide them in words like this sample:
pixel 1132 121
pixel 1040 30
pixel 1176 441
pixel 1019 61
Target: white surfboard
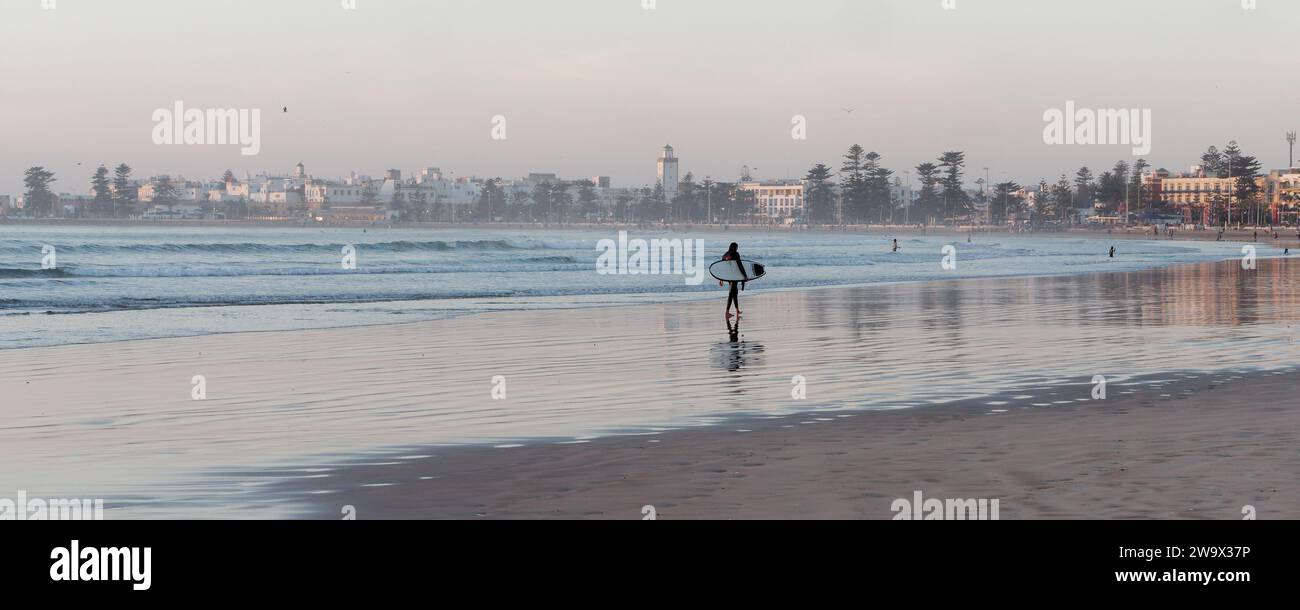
pixel 729 271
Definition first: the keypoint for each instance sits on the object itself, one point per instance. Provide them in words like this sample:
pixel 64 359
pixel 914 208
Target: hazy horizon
pixel 597 87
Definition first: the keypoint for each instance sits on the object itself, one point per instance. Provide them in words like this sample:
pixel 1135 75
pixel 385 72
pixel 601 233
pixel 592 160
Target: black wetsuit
pixel 734 295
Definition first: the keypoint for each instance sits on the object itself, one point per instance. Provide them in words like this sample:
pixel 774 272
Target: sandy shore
pixel 290 419
pixel 1195 446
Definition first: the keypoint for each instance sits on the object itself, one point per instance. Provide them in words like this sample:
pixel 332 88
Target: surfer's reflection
pixel 736 352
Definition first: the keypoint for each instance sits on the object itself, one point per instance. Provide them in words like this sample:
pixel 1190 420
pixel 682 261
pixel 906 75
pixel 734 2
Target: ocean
pixel 124 283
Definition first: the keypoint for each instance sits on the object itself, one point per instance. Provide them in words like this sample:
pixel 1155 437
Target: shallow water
pixel 118 283
pixel 118 422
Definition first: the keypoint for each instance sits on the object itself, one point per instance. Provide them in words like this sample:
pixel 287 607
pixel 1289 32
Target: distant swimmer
pixel 1112 251
pixel 895 245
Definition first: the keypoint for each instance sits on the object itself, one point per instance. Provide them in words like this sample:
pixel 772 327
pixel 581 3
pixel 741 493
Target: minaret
pixel 668 172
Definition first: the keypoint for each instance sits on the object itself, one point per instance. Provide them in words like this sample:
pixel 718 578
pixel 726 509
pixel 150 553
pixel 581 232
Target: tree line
pixel 862 191
pixel 563 201
pixel 110 198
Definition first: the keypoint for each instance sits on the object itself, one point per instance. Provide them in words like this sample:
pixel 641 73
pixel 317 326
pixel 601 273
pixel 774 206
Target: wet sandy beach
pixel 1176 447
pixel 294 419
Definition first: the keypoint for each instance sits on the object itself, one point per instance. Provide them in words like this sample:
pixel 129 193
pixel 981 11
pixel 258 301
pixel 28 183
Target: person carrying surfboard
pixel 733 254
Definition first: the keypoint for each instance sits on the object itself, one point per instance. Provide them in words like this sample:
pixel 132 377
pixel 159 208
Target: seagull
pixel 848 110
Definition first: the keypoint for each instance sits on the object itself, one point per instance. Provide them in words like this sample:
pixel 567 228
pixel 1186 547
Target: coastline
pixel 203 282
pixel 1287 237
pixel 297 405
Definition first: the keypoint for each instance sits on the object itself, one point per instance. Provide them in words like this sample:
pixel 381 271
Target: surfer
pixel 733 254
pixel 1112 251
pixel 895 245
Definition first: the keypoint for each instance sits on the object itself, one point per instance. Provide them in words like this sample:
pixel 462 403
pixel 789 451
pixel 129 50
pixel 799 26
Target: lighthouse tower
pixel 668 172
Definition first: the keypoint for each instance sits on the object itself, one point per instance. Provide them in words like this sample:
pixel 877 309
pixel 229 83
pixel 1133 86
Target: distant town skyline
pixel 598 87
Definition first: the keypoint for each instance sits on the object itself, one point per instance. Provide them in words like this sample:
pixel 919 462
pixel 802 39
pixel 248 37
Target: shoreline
pixel 454 306
pixel 293 405
pixel 1287 238
pixel 684 297
pixel 1171 448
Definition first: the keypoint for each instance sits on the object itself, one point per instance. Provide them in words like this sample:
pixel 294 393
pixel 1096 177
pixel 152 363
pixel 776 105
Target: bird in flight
pixel 848 110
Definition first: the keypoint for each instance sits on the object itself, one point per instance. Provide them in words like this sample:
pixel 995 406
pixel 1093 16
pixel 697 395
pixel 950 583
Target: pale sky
pixel 596 87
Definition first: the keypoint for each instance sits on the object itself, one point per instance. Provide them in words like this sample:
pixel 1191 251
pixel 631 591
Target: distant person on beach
pixel 1112 251
pixel 895 245
pixel 733 254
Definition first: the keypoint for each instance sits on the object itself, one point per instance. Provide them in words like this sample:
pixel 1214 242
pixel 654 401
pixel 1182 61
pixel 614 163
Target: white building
pixel 430 187
pixel 320 192
pixel 429 174
pixel 668 172
pixel 777 199
pixel 185 190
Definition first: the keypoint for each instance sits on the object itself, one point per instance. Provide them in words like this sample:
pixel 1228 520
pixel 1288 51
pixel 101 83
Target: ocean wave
pixel 11 273
pixel 554 259
pixel 263 248
pixel 557 263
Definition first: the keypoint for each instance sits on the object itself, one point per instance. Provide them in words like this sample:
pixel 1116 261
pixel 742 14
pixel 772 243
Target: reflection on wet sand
pixel 93 420
pixel 736 352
